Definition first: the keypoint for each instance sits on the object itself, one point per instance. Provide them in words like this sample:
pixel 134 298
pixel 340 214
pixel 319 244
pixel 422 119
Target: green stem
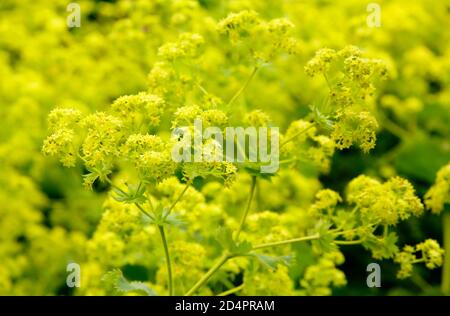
pixel 286 242
pixel 168 262
pixel 328 81
pixel 238 93
pixel 144 211
pixel 232 291
pixel 202 89
pixel 446 268
pixel 297 134
pixel 208 274
pixel 348 242
pixel 247 209
pixel 225 257
pixel 393 128
pixel 188 184
pixel 417 279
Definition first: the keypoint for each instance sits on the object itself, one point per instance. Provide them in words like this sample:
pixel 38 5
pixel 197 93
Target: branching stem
pixel 232 291
pixel 247 209
pixel 188 184
pixel 208 274
pixel 286 242
pixel 167 254
pixel 242 89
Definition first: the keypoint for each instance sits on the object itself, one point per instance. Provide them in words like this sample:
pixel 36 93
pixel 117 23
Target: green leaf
pixel 304 257
pixel 345 220
pixel 135 194
pixel 421 157
pixel 242 248
pixel 225 238
pixel 94 174
pixel 114 279
pixel 89 179
pixel 272 262
pixel 325 243
pixel 254 169
pixel 320 118
pixel 174 219
pixel 382 247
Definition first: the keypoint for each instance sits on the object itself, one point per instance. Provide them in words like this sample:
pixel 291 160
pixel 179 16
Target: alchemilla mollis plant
pixel 214 226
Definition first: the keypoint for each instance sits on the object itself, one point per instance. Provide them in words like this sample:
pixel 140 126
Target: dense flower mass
pixel 93 116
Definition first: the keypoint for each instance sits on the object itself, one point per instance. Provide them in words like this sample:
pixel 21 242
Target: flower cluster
pixel 187 46
pixel 262 39
pixel 350 78
pixel 355 128
pixel 302 144
pixel 430 253
pixel 320 277
pixel 385 203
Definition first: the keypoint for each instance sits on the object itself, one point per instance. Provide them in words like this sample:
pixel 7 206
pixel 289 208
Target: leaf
pixel 115 279
pixel 382 247
pixel 272 262
pixel 94 174
pixel 325 243
pixel 321 119
pixel 304 257
pixel 225 238
pixel 254 169
pixel 242 248
pixel 422 157
pixel 345 220
pixel 89 179
pixel 135 194
pixel 174 219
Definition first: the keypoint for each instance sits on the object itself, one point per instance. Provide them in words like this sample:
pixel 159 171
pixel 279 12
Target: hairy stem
pixel 286 242
pixel 188 184
pixel 242 89
pixel 348 242
pixel 231 291
pixel 168 262
pixel 226 256
pixel 208 274
pixel 417 279
pixel 144 211
pixel 247 209
pixel 445 286
pixel 296 135
pixel 393 128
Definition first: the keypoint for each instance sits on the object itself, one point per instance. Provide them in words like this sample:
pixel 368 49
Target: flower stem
pixel 208 274
pixel 247 209
pixel 296 135
pixel 348 242
pixel 445 286
pixel 225 257
pixel 188 184
pixel 231 291
pixel 144 211
pixel 286 242
pixel 168 262
pixel 242 89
